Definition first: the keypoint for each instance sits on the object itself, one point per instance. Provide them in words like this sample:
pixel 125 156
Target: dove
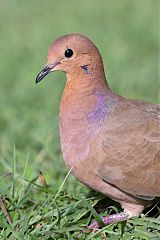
pixel 110 143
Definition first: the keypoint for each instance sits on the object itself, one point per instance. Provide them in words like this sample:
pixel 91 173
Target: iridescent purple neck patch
pixel 101 109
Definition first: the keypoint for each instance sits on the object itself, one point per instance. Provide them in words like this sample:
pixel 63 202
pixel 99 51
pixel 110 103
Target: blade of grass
pixel 94 213
pixel 13 170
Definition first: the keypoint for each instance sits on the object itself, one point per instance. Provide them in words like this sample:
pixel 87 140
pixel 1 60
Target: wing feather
pixel 131 148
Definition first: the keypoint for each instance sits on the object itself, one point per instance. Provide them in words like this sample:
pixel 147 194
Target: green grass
pixel 126 33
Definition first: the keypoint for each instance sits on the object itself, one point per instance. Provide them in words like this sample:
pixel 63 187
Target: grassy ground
pixel 126 33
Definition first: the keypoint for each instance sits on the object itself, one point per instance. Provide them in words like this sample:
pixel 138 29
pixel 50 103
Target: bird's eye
pixel 68 53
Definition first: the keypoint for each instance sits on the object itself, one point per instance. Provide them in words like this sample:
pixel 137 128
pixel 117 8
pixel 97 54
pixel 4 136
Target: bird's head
pixel 72 53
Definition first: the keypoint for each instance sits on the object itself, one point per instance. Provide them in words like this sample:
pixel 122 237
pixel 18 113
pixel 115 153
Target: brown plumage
pixel 111 143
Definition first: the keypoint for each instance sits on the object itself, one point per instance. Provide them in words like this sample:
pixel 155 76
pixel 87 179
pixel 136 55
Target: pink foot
pixel 118 217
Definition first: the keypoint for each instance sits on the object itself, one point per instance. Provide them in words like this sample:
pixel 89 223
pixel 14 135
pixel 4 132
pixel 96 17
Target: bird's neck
pixel 83 107
pixel 81 94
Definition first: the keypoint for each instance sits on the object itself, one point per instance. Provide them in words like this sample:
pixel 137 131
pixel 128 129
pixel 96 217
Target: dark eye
pixel 68 53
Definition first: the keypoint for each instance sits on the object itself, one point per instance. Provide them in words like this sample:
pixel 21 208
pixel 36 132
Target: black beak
pixel 47 69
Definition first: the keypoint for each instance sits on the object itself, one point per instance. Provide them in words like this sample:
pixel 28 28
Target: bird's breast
pixel 75 137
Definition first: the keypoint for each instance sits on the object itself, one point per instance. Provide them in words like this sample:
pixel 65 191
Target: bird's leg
pixel 118 217
pixel 130 210
pixel 5 210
